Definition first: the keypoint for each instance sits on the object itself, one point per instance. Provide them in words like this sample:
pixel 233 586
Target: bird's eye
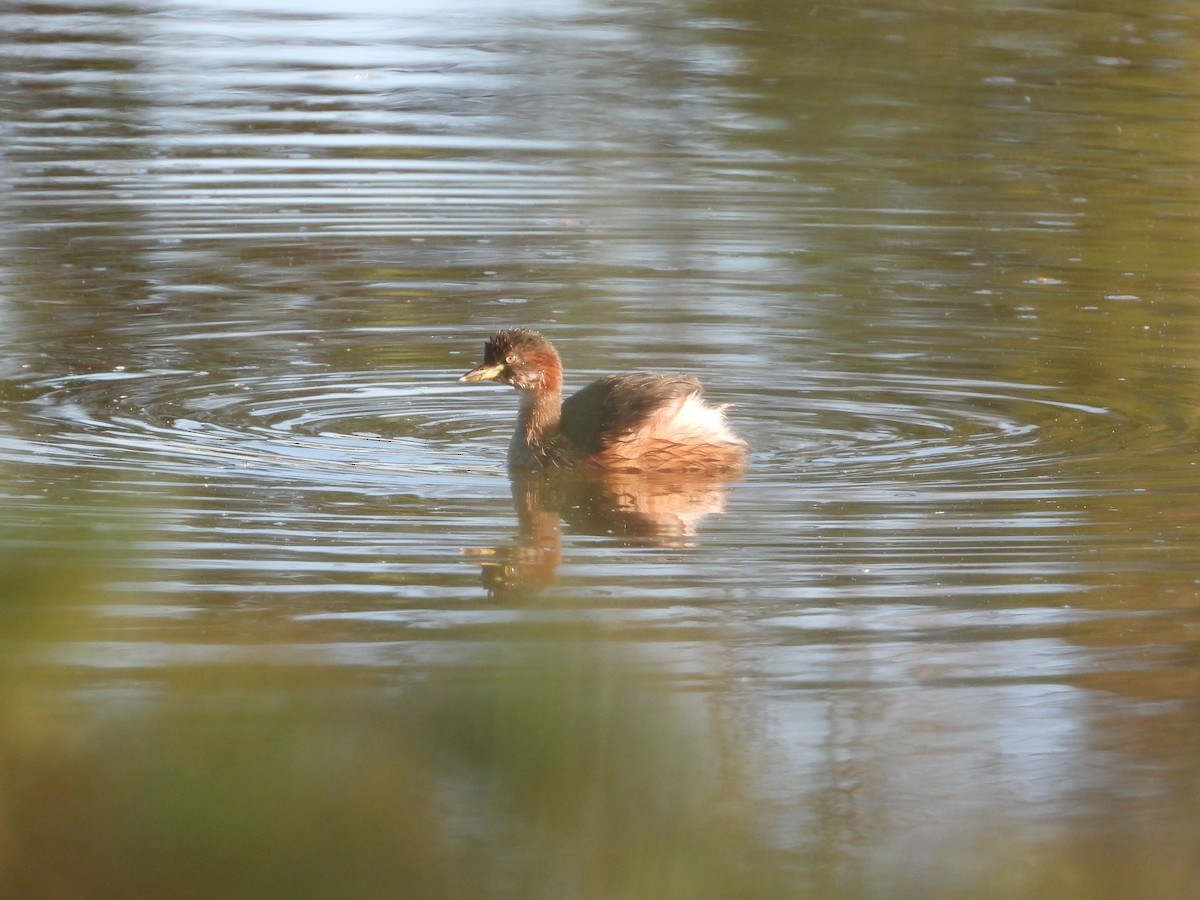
pixel 511 358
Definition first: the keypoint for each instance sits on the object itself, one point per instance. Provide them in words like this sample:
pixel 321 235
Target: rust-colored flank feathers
pixel 640 422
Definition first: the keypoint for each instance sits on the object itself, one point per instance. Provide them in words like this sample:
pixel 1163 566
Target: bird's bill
pixel 484 372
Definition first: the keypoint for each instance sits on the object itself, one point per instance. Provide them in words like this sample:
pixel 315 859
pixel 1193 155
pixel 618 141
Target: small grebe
pixel 642 422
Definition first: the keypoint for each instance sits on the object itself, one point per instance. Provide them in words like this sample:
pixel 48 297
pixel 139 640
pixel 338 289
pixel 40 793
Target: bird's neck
pixel 537 425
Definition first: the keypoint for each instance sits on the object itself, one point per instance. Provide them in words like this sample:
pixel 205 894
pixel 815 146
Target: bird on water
pixel 637 422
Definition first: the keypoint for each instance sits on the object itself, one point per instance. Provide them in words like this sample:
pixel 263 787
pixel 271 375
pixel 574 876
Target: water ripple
pixel 372 428
pixel 307 426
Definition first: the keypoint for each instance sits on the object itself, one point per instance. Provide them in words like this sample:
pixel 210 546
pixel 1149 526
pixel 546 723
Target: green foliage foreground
pixel 560 765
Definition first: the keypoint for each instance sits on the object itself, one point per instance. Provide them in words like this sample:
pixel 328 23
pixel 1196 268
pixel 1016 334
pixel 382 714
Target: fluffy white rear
pixel 689 420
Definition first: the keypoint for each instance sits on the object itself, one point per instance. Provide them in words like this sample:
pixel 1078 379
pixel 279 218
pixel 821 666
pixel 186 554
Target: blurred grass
pixel 551 768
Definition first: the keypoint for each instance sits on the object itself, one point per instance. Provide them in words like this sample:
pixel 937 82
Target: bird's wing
pixel 616 405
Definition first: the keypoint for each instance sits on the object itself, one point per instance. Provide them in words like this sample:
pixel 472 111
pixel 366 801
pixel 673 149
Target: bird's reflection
pixel 634 510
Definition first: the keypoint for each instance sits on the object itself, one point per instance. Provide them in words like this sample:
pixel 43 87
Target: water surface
pixel 939 262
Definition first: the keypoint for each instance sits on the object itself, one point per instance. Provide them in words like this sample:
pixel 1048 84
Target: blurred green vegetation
pixel 554 767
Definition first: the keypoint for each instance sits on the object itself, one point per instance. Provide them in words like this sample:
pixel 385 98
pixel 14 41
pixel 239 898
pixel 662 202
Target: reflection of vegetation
pixel 556 767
